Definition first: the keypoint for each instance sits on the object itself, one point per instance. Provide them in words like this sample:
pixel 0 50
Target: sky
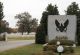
pixel 34 7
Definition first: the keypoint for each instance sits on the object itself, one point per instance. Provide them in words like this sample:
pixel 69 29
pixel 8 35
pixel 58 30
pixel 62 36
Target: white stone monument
pixel 62 25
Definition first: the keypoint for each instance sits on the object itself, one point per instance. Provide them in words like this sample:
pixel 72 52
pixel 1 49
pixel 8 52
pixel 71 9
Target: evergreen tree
pixel 41 32
pixel 1 11
pixel 73 9
pixel 1 15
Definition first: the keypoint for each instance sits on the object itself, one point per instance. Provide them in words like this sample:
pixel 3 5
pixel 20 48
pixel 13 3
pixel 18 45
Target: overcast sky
pixel 34 7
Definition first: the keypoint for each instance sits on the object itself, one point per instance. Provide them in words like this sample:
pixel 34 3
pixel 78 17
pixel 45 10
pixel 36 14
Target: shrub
pixel 68 50
pixel 40 36
pixel 67 42
pixel 62 42
pixel 53 48
pixel 2 37
pixel 52 42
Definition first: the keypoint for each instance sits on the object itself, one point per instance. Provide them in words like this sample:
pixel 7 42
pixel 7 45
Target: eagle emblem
pixel 61 26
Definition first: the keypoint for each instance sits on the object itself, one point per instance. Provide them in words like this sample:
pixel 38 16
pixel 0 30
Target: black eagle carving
pixel 61 26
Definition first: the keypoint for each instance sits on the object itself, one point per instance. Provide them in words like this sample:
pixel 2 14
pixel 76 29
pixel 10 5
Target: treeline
pixel 26 23
pixel 3 24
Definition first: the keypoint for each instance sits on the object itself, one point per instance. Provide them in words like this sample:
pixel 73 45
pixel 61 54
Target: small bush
pixel 53 47
pixel 2 38
pixel 40 36
pixel 68 50
pixel 67 42
pixel 62 42
pixel 52 42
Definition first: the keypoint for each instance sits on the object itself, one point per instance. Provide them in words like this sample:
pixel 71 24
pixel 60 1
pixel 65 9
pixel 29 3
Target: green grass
pixel 31 49
pixel 20 38
pixel 25 50
pixel 77 51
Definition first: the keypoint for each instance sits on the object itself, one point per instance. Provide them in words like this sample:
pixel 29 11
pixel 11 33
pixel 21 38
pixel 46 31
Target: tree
pixel 1 11
pixel 3 23
pixel 25 22
pixel 41 32
pixel 1 14
pixel 34 24
pixel 73 9
pixel 4 26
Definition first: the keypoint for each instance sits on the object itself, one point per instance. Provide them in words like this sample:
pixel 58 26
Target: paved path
pixel 6 45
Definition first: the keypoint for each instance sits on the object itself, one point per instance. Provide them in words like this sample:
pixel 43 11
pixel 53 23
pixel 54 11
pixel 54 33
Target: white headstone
pixel 62 25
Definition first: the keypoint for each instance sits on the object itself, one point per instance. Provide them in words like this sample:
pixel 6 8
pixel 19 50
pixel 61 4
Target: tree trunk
pixel 22 33
pixel 0 26
pixel 27 33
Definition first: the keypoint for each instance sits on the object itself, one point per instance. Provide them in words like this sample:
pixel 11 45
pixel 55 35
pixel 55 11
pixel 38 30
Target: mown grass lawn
pixel 20 38
pixel 25 50
pixel 77 51
pixel 31 49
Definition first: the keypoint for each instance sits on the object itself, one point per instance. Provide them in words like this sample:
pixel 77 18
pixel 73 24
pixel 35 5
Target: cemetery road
pixel 6 45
